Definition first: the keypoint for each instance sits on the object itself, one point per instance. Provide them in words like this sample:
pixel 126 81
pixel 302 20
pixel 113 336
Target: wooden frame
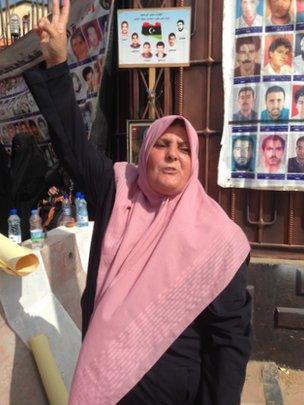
pixel 135 132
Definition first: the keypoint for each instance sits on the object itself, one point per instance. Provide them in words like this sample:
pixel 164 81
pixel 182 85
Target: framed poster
pixel 136 130
pixel 154 37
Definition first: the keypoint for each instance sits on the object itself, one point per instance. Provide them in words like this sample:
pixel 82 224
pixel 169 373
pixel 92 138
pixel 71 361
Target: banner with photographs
pixel 87 44
pixel 154 37
pixel 263 68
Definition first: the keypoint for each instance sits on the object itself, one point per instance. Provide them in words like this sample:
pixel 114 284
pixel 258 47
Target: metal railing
pixel 13 24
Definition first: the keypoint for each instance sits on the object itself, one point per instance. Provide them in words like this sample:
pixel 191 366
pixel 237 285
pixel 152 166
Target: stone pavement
pixel 268 384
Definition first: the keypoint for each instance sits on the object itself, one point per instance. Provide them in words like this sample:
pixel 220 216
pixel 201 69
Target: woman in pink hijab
pixel 166 316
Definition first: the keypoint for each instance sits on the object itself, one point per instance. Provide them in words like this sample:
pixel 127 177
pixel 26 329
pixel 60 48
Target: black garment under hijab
pixel 5 183
pixel 28 169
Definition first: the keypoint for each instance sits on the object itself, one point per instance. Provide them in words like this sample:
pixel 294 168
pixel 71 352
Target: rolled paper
pixel 52 381
pixel 16 260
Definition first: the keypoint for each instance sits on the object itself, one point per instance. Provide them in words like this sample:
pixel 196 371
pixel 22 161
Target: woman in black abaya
pixel 28 169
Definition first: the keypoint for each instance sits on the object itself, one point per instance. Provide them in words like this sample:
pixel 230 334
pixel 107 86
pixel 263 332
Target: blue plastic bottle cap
pixel 78 194
pixel 13 211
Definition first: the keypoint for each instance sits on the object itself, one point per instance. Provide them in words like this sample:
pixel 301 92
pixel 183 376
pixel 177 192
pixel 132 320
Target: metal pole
pixel 32 14
pixel 7 17
pixel 2 21
pixel 37 12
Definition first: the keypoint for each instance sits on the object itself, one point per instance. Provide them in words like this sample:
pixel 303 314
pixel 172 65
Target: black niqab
pixel 28 169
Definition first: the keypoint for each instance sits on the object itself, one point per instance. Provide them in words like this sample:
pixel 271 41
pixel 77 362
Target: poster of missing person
pixel 263 68
pixel 154 37
pixel 87 44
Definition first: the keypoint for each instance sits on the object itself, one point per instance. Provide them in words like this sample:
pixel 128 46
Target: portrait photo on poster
pixel 154 37
pixel 136 130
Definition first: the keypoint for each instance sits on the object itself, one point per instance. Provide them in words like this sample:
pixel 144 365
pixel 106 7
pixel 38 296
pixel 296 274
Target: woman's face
pixel 169 162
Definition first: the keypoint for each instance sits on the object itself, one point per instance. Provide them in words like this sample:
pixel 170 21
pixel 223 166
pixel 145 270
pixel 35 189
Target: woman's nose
pixel 172 152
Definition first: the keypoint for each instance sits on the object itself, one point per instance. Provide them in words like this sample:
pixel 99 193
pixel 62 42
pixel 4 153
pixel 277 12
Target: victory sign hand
pixel 53 38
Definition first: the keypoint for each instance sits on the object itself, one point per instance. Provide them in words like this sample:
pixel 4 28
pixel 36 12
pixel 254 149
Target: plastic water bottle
pixel 67 219
pixel 37 233
pixel 77 201
pixel 14 229
pixel 81 211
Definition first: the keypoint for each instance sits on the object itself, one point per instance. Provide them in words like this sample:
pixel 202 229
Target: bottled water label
pixel 15 238
pixel 37 237
pixel 82 220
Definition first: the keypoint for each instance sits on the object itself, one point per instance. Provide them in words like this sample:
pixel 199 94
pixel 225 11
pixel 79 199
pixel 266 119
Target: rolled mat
pixel 16 260
pixel 52 381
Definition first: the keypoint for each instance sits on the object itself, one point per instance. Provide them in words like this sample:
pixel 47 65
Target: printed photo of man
pixel 160 50
pixel 272 154
pixel 296 164
pixel 279 57
pixel 181 30
pixel 298 100
pixel 171 39
pixel 93 36
pixel 247 55
pixel 134 41
pixel 124 29
pixel 275 100
pixel 298 60
pixel 249 15
pixel 147 54
pixel 245 100
pixel 280 12
pixel 243 152
pixel 79 46
pixel 300 11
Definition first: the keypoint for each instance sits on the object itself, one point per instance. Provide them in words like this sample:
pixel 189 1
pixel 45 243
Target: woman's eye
pixel 159 145
pixel 185 149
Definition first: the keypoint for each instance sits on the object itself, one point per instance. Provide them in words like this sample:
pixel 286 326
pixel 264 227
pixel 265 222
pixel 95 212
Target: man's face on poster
pixel 134 39
pixel 279 8
pixel 180 26
pixel 124 28
pixel 79 47
pixel 249 9
pixel 300 151
pixel 89 79
pixel 242 153
pixel 300 107
pixel 146 49
pixel 246 56
pixel 273 153
pixel 275 104
pixel 160 50
pixel 172 40
pixel 302 47
pixel 246 101
pixel 93 37
pixel 280 56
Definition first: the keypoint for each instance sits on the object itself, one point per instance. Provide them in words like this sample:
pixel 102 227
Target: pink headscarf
pixel 164 260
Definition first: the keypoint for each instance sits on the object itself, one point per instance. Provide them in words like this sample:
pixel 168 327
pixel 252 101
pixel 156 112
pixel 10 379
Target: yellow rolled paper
pixel 52 381
pixel 16 260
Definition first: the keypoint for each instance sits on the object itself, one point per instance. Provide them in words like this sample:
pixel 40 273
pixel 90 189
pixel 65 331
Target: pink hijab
pixel 164 260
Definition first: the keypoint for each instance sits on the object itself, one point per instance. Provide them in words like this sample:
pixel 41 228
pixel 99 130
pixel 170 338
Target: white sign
pixel 154 37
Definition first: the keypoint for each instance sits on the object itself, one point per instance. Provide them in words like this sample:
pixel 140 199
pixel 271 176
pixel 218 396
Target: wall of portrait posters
pixel 154 37
pixel 87 45
pixel 263 68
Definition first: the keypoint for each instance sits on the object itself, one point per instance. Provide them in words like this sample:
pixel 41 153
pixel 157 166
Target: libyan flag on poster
pixel 263 70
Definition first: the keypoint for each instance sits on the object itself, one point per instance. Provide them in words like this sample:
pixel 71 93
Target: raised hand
pixel 52 34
